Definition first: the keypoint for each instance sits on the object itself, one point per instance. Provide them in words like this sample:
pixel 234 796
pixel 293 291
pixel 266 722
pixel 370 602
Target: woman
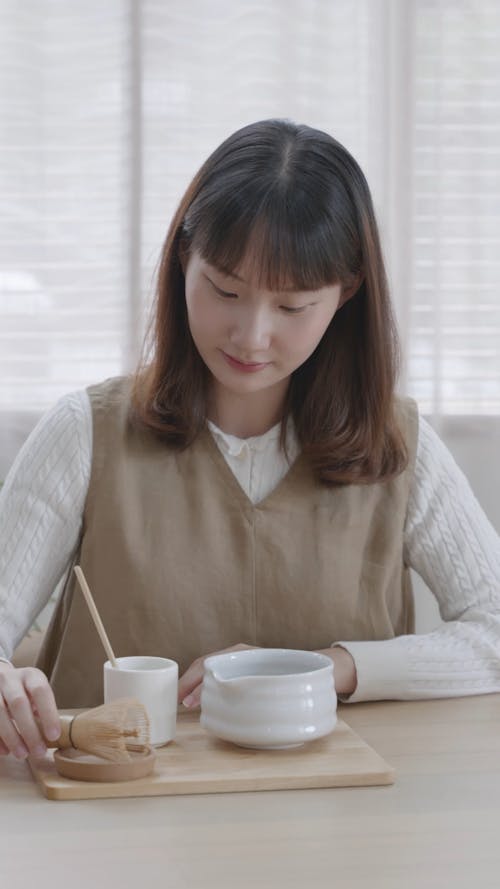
pixel 258 482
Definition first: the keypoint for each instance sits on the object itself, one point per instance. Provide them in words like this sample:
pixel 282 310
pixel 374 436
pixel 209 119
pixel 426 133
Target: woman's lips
pixel 247 367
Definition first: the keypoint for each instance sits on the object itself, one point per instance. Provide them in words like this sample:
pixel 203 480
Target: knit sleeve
pixel 451 544
pixel 41 507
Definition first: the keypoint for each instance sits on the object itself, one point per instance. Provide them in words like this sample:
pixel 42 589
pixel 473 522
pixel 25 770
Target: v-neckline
pixel 231 480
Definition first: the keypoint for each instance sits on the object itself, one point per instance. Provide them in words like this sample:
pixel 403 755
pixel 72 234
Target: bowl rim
pixel 323 661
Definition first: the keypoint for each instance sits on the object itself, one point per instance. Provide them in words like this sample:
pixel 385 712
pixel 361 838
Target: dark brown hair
pixel 298 201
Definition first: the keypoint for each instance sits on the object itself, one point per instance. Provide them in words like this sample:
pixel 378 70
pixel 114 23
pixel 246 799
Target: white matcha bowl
pixel 268 697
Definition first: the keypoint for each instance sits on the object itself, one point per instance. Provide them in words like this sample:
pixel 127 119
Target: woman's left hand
pixel 191 681
pixel 344 670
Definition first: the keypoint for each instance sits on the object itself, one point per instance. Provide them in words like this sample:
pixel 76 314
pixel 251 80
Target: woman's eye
pixel 225 293
pixel 290 310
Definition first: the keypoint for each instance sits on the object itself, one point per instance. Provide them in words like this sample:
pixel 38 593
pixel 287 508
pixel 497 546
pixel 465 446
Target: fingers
pixel 20 710
pixel 11 739
pixel 192 700
pixel 190 683
pixel 19 731
pixel 43 704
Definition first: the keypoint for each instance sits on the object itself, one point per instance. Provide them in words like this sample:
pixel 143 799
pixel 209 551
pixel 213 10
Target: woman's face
pixel 252 339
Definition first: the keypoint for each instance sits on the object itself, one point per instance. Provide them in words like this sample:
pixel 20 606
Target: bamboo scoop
pixel 95 615
pixel 109 731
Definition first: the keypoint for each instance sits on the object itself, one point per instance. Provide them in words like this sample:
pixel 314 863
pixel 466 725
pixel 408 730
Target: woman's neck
pixel 248 415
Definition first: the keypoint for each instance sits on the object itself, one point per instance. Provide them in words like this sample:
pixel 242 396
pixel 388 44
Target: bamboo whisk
pixel 110 731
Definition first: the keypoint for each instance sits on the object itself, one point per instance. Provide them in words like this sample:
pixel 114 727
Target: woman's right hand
pixel 25 697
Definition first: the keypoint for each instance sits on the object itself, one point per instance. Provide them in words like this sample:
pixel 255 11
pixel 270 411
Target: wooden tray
pixel 197 763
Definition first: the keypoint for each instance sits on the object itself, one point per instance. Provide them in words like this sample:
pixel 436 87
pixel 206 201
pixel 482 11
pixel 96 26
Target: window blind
pixel 454 341
pixel 108 109
pixel 64 183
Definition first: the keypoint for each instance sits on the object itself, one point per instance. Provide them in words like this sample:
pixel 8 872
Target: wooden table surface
pixel 437 826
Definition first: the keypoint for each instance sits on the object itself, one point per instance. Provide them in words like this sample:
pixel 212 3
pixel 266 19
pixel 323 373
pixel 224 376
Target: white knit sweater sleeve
pixel 453 547
pixel 41 508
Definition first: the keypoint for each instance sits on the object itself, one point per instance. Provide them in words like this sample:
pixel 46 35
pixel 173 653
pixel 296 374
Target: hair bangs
pixel 285 251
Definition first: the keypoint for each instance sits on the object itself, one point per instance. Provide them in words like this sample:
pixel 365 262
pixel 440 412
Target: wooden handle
pixel 95 615
pixel 64 738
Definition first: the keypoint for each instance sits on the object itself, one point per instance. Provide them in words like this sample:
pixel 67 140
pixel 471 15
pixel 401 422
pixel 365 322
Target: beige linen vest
pixel 181 563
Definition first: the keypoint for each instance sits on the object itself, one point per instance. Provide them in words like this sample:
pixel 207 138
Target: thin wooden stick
pixel 95 615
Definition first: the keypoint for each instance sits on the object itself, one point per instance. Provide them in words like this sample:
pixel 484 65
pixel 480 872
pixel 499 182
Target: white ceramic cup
pixel 153 681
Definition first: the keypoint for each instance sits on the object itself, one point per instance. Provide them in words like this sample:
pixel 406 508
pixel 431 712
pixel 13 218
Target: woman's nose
pixel 252 331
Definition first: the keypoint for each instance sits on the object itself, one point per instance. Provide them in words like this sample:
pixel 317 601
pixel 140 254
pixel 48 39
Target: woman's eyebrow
pixel 234 275
pixel 291 291
pixel 284 291
pixel 225 273
pixel 207 276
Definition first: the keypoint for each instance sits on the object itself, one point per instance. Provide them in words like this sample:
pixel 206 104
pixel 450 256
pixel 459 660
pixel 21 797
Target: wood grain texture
pixel 436 827
pixel 198 763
